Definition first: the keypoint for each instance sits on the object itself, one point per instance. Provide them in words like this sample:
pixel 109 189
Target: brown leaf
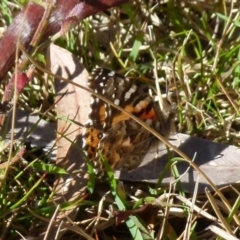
pixel 72 108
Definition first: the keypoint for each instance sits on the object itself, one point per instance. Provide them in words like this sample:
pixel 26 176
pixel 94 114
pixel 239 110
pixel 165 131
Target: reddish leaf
pixel 26 22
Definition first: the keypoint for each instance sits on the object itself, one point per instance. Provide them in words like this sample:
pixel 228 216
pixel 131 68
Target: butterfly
pixel 121 140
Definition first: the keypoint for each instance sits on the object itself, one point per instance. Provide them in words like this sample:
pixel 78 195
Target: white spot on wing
pixel 130 92
pixel 116 101
pixel 111 74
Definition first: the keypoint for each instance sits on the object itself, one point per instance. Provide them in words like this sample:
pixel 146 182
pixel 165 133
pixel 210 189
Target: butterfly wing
pixel 122 141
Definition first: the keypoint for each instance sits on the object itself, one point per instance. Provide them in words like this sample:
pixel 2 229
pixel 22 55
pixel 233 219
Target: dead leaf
pixel 220 162
pixel 72 108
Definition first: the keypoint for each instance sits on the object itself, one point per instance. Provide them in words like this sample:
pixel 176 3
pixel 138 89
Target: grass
pixel 194 48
